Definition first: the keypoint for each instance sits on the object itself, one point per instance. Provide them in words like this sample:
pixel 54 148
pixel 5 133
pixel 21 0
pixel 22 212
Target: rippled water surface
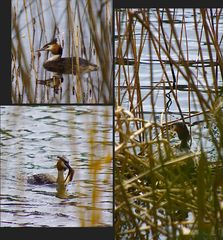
pixel 32 137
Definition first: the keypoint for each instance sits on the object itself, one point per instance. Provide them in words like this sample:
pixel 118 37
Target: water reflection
pixel 32 137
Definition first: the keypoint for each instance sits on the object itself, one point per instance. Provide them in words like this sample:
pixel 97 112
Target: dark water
pixel 32 137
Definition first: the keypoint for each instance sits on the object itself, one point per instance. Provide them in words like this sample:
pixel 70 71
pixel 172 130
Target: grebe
pixel 65 65
pixel 62 165
pixel 183 134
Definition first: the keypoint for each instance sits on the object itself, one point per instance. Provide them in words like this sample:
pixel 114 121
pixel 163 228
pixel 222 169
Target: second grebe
pixel 66 65
pixel 62 165
pixel 183 134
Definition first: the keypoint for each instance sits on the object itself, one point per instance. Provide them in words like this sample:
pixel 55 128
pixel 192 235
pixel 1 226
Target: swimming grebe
pixel 65 65
pixel 62 165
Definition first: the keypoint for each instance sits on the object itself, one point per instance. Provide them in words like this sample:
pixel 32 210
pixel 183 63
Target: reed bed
pixel 158 193
pixel 83 29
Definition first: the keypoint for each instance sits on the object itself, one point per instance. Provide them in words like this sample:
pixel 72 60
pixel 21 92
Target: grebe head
pixel 183 134
pixel 54 47
pixel 62 165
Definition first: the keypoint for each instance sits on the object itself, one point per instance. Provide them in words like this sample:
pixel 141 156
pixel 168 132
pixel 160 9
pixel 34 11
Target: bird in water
pixel 65 65
pixel 62 165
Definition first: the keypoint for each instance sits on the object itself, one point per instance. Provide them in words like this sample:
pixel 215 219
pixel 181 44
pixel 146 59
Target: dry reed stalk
pixel 149 176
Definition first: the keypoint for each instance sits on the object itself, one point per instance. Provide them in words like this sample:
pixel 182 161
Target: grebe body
pixel 41 179
pixel 68 65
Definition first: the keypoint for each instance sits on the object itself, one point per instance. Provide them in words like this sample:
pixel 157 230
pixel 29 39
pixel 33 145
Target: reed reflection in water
pixel 32 138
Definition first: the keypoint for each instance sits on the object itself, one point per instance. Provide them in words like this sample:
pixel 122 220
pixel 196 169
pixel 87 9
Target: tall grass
pixel 158 194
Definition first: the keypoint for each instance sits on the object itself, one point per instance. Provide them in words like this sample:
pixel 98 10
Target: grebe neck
pixel 60 177
pixel 54 58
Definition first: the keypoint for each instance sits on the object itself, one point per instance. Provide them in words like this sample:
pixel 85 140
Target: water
pixel 32 137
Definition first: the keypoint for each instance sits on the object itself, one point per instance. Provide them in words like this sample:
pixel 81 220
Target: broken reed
pixel 146 200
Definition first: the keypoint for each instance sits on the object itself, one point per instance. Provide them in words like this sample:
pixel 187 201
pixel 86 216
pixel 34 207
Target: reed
pixel 158 193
